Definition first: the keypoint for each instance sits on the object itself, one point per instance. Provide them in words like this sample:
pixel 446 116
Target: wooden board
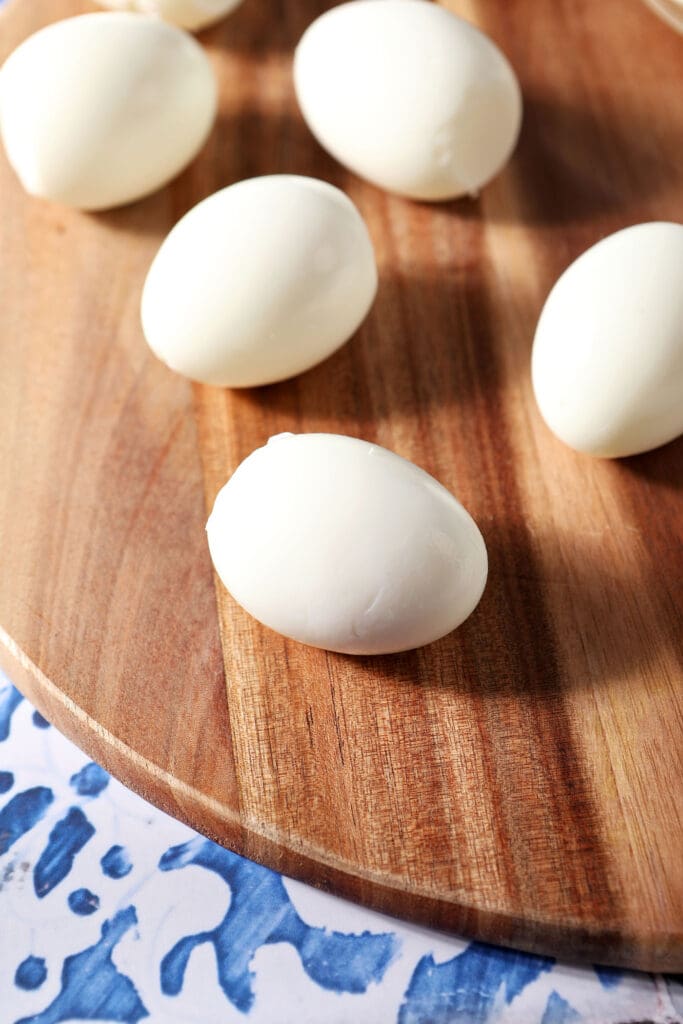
pixel 519 781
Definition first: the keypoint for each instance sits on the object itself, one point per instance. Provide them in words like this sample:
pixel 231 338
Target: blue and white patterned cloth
pixel 112 911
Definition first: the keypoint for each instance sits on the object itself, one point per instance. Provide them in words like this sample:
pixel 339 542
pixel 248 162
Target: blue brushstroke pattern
pixel 91 986
pixel 66 839
pixel 261 913
pixel 31 973
pixel 674 986
pixel 90 780
pixel 116 863
pixel 464 990
pixel 6 781
pixel 21 813
pixel 559 1011
pixel 609 976
pixel 39 721
pixel 10 699
pixel 83 902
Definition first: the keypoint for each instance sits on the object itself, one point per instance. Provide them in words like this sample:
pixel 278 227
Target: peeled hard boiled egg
pixel 607 361
pixel 259 282
pixel 409 96
pixel 189 14
pixel 102 109
pixel 341 544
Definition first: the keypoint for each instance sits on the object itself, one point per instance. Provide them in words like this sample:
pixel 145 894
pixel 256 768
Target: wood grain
pixel 520 780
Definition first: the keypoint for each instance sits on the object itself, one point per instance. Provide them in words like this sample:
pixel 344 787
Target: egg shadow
pixel 550 622
pixel 429 342
pixel 252 142
pixel 661 466
pixel 266 27
pixel 572 163
pixel 154 215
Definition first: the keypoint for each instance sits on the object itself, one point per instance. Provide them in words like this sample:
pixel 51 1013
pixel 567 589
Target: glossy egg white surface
pixel 607 361
pixel 409 96
pixel 341 544
pixel 102 109
pixel 190 14
pixel 259 282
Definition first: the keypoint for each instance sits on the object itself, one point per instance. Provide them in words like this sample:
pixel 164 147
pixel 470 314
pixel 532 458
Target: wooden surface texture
pixel 520 780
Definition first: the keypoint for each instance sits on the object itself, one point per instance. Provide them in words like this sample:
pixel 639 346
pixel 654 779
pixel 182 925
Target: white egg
pixel 189 14
pixel 102 109
pixel 344 545
pixel 259 282
pixel 607 361
pixel 409 96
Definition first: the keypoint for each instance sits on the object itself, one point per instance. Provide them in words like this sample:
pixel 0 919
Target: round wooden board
pixel 519 781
